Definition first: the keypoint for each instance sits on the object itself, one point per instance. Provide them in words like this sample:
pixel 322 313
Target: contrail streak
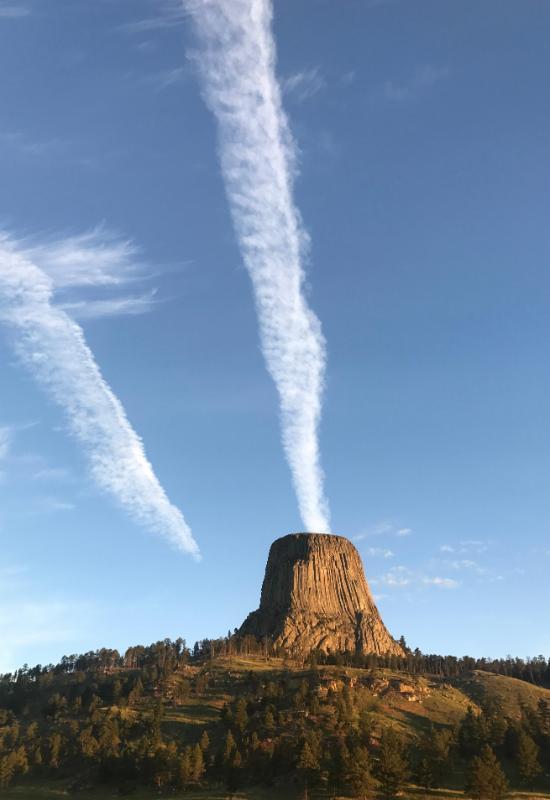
pixel 53 347
pixel 237 65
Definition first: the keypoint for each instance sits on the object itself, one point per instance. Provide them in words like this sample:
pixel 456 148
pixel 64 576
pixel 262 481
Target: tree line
pixel 101 718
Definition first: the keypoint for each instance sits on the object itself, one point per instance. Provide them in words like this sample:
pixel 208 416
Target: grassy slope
pixel 411 703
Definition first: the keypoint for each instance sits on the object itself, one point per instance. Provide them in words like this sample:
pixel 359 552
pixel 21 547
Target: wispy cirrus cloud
pixel 165 14
pixel 130 305
pixel 53 348
pixel 13 11
pixel 236 60
pixel 166 79
pixel 441 583
pixel 304 84
pixel 422 81
pixel 94 261
pixel 95 258
pixel 6 438
pixel 17 142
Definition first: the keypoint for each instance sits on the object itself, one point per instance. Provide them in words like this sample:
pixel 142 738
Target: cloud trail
pixel 53 347
pixel 237 64
pixel 5 441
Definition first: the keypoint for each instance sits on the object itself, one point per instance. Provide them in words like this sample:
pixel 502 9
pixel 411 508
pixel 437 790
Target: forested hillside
pixel 233 718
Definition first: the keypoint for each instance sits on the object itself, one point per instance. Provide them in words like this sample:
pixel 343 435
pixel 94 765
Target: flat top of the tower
pixel 305 536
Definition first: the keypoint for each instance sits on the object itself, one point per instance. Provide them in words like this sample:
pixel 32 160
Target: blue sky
pixel 423 136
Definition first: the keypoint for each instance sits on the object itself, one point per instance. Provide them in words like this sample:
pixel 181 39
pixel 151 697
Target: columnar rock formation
pixel 315 596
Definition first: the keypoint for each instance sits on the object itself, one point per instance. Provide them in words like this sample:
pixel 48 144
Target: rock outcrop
pixel 315 596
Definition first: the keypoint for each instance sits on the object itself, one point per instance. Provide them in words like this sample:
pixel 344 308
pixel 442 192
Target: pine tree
pixel 55 750
pixel 486 780
pixel 471 734
pixel 204 741
pixel 359 776
pixel 233 773
pixel 424 773
pixel 340 763
pixel 392 767
pixel 269 720
pixel 240 717
pixel 184 769
pixel 307 767
pixel 197 763
pixel 527 757
pixel 229 748
pixel 7 771
pixel 434 758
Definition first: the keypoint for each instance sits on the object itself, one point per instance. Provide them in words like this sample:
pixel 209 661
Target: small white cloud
pixel 400 577
pixel 473 546
pixel 303 85
pixel 14 11
pixel 443 583
pixel 423 80
pixel 466 563
pixel 53 504
pixel 380 552
pixel 446 548
pixel 19 143
pixel 385 527
pixel 347 78
pixel 52 474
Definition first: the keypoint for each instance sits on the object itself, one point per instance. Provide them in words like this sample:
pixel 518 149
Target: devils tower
pixel 315 596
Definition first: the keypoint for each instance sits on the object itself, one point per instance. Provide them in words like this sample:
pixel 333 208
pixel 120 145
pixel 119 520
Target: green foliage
pixel 486 780
pixel 392 768
pixel 527 756
pixel 167 721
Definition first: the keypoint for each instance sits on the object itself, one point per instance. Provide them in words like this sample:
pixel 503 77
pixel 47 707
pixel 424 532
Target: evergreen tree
pixel 392 767
pixel 7 771
pixel 527 757
pixel 434 758
pixel 204 741
pixel 228 749
pixel 240 717
pixel 308 768
pixel 197 763
pixel 184 769
pixel 359 777
pixel 472 734
pixel 233 773
pixel 55 750
pixel 486 780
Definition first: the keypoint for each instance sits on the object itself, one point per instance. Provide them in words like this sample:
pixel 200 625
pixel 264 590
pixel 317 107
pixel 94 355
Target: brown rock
pixel 315 596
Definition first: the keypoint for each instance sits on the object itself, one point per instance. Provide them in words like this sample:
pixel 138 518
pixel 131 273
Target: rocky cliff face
pixel 315 595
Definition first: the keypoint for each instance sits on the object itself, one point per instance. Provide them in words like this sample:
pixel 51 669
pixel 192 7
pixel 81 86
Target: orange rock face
pixel 315 596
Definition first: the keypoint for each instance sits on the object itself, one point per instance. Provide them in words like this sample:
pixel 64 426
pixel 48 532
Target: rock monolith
pixel 315 596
